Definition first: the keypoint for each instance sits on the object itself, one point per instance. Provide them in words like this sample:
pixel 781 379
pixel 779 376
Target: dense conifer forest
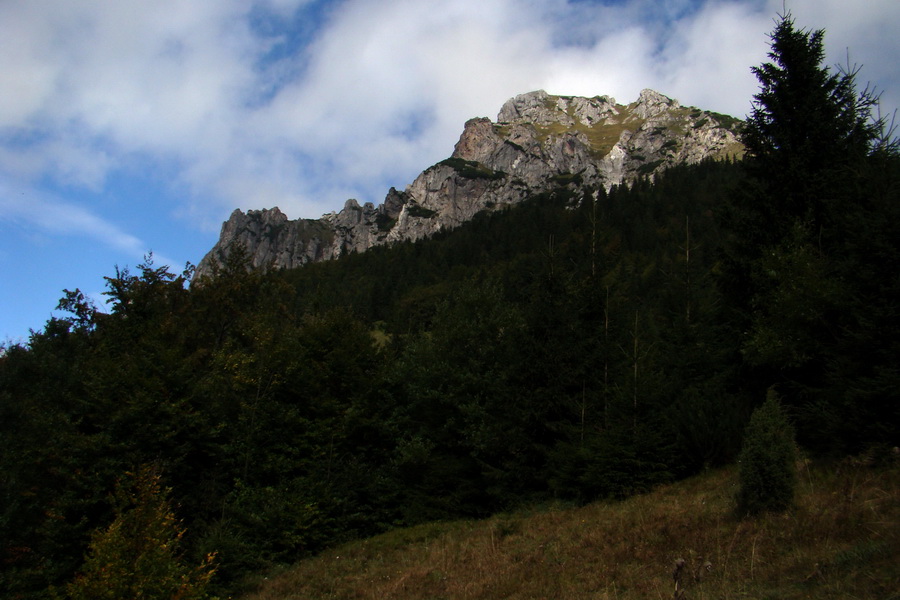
pixel 583 345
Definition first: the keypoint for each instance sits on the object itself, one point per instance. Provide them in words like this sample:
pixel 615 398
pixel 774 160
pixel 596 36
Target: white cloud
pixel 708 60
pixel 378 92
pixel 26 78
pixel 867 31
pixel 50 215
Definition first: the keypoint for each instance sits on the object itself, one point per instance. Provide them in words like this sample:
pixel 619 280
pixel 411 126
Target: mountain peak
pixel 651 103
pixel 539 142
pixel 541 108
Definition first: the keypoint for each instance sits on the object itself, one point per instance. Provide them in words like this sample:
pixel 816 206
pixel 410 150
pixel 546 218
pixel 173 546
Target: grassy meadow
pixel 840 540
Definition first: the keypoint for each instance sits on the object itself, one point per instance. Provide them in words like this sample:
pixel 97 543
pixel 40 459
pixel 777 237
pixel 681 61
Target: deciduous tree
pixel 138 555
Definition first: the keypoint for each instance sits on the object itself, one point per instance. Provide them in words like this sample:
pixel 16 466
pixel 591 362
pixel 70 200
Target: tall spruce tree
pixel 807 126
pixel 798 274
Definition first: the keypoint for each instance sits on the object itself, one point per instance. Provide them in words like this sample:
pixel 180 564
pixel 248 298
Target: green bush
pixel 767 460
pixel 138 556
pixel 472 169
pixel 416 210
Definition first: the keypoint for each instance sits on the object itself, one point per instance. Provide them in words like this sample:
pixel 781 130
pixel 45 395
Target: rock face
pixel 539 142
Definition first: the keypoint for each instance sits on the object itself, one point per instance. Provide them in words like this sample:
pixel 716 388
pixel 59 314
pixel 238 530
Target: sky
pixel 129 127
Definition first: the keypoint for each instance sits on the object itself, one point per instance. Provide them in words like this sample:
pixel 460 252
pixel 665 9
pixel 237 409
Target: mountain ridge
pixel 538 143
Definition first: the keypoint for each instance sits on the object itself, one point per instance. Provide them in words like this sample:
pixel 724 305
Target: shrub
pixel 471 169
pixel 416 210
pixel 767 459
pixel 137 555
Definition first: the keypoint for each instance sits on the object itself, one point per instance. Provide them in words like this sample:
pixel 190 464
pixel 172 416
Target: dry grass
pixel 839 541
pixel 601 137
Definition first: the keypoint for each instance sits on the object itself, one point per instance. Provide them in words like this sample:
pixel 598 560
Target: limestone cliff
pixel 539 142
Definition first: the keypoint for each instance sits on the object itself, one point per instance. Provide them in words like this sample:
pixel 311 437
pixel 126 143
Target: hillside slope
pixel 841 540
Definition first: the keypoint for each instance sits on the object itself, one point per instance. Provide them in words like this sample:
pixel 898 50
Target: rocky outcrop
pixel 271 239
pixel 539 142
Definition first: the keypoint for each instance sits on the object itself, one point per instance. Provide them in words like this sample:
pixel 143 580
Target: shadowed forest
pixel 583 345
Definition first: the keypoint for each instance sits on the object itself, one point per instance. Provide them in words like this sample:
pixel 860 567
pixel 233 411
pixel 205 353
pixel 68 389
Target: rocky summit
pixel 539 142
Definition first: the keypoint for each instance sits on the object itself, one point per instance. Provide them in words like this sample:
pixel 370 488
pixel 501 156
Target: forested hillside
pixel 582 345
